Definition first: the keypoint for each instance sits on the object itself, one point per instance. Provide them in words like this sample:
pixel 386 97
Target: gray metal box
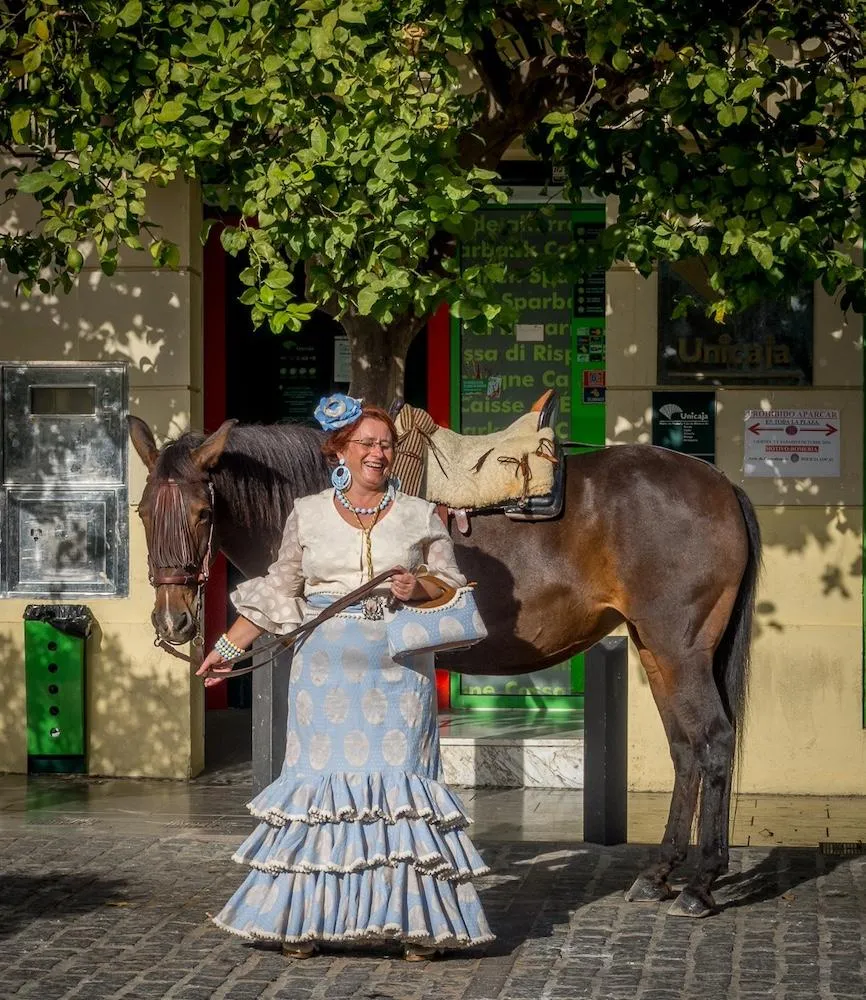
pixel 63 502
pixel 72 544
pixel 64 423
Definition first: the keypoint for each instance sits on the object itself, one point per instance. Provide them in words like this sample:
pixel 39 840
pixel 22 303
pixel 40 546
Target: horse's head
pixel 176 509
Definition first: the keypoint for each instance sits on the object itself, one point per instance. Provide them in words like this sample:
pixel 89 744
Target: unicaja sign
pixel 671 411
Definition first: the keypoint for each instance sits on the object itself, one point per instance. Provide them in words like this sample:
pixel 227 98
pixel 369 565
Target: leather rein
pixel 287 641
pixel 198 576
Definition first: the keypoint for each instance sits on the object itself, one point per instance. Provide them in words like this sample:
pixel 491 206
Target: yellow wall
pixel 804 732
pixel 145 713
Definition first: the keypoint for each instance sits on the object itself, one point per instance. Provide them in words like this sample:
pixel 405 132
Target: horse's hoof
pixel 645 890
pixel 691 904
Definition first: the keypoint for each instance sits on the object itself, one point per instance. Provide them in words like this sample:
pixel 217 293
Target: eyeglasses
pixel 368 444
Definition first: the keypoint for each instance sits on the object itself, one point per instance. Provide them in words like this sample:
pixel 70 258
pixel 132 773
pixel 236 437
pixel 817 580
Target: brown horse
pixel 658 540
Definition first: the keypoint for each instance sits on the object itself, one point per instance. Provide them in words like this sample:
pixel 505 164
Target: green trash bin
pixel 55 637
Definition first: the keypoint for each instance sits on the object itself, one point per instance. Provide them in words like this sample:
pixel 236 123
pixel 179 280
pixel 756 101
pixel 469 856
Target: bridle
pixel 180 549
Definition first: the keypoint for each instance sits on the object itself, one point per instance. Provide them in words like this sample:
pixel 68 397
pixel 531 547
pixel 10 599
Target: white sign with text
pixel 791 443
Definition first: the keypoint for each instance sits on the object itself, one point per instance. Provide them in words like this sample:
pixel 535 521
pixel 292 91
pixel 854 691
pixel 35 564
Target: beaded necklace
pixel 387 497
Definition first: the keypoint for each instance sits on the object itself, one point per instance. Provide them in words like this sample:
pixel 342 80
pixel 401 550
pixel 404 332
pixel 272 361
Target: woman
pixel 359 842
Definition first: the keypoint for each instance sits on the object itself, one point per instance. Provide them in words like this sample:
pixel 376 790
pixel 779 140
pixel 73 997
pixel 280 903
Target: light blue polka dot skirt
pixel 358 839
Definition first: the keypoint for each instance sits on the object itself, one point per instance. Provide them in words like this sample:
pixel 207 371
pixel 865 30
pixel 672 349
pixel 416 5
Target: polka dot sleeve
pixel 439 555
pixel 275 601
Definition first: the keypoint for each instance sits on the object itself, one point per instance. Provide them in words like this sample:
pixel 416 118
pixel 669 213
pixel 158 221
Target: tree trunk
pixel 378 356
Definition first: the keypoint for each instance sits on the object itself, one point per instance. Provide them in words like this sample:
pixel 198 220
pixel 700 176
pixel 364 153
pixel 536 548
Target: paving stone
pixel 95 915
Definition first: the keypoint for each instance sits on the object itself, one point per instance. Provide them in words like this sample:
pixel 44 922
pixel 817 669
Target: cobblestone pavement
pixel 99 913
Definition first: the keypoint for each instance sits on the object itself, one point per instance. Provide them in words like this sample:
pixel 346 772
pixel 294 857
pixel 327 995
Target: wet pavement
pixel 107 885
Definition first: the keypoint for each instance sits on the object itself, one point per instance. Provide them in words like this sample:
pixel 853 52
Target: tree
pixel 365 136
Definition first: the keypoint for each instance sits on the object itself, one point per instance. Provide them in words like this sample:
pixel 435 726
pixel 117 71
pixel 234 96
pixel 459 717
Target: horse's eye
pixel 204 515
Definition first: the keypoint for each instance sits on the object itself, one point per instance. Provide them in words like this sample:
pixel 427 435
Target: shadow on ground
pixel 534 889
pixel 25 898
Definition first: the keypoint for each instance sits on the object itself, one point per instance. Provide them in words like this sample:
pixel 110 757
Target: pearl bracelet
pixel 226 648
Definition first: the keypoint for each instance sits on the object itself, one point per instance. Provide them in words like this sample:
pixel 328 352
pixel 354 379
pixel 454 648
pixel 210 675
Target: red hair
pixel 337 440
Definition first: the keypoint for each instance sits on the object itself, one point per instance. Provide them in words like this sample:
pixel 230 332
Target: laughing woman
pixel 359 842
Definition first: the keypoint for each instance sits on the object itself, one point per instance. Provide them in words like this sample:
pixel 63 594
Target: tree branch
pixel 493 72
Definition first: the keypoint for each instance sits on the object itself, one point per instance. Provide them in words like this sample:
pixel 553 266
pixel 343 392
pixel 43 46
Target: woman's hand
pixel 405 587
pixel 213 661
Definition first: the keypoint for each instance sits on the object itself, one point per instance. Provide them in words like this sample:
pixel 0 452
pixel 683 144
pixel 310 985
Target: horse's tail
pixel 731 664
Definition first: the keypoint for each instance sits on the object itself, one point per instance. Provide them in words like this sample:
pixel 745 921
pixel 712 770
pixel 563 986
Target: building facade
pixel 626 369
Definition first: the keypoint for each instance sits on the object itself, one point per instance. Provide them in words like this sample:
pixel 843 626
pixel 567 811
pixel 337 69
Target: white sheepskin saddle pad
pixel 473 472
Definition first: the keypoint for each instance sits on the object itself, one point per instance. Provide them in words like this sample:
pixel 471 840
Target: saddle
pixel 518 471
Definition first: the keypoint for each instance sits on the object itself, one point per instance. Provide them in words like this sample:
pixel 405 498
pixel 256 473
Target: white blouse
pixel 322 553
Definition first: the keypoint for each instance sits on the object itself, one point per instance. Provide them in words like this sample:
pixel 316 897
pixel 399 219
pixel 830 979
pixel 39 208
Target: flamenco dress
pixel 359 841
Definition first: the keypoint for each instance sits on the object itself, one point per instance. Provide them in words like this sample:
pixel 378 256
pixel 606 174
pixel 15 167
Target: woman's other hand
pixel 405 586
pixel 213 661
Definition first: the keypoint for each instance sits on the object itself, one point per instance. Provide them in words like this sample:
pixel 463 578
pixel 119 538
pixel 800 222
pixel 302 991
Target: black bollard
pixel 270 716
pixel 605 711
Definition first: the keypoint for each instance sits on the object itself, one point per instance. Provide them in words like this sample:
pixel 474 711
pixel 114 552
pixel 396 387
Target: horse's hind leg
pixel 702 746
pixel 652 884
pixel 713 739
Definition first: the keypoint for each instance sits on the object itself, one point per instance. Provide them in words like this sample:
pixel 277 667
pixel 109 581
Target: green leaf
pixel 762 252
pixel 170 111
pixel 349 15
pixel 109 263
pixel 732 156
pixel 464 309
pixel 36 181
pixel 783 203
pixel 279 278
pixel 216 34
pixel 318 140
pixel 669 172
pixel 32 59
pixel 171 256
pixel 717 81
pixel 747 87
pixel 755 199
pixel 130 13
pixel 595 53
pixel 670 97
pixel 367 299
pixel 19 122
pixel 621 60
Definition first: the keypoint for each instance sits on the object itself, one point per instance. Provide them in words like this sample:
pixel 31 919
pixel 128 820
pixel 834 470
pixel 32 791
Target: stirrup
pixel 300 949
pixel 418 952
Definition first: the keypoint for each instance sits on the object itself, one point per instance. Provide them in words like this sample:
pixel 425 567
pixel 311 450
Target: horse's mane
pixel 261 472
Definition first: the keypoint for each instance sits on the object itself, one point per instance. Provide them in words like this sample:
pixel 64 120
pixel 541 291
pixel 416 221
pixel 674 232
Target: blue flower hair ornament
pixel 338 410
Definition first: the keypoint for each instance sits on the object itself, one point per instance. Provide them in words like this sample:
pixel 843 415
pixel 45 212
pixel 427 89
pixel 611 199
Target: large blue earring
pixel 341 477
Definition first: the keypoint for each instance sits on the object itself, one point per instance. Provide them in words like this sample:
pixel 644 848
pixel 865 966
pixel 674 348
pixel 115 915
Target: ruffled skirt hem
pixel 347 847
pixel 369 936
pixel 377 905
pixel 365 797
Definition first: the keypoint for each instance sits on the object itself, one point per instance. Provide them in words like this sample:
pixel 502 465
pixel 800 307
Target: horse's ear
pixel 142 440
pixel 208 452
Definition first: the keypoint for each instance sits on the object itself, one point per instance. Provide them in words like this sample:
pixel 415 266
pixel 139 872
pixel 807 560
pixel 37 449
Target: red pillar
pixel 439 408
